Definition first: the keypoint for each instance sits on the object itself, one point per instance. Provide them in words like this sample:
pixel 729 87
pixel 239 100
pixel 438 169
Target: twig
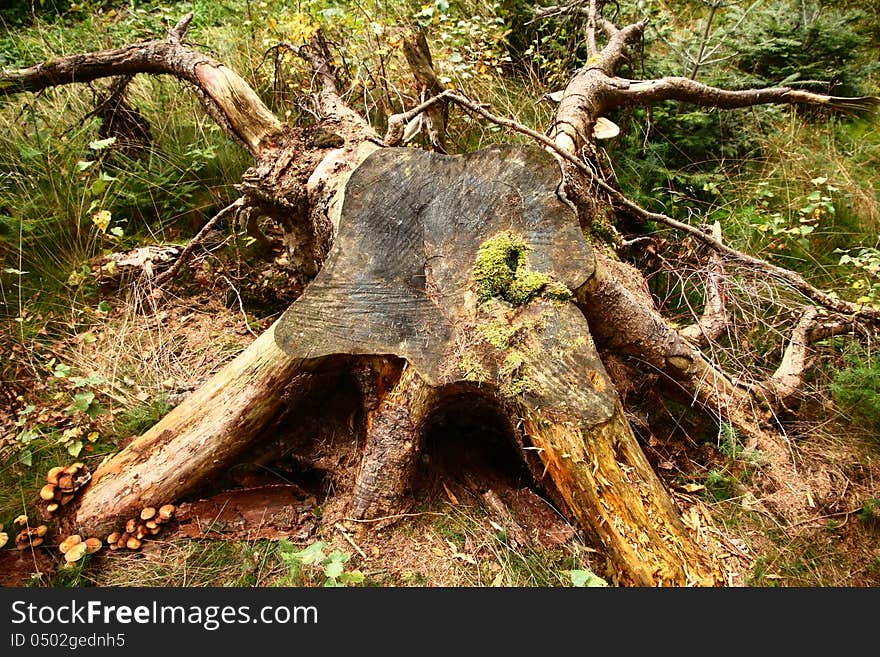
pixel 394 517
pixel 171 274
pixel 240 306
pixel 350 540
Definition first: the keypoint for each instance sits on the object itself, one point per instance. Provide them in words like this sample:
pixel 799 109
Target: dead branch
pixel 646 92
pixel 714 319
pixel 788 380
pixel 418 56
pixel 232 209
pixel 225 95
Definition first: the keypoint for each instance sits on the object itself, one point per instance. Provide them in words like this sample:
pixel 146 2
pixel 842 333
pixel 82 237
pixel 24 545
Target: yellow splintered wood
pixel 603 475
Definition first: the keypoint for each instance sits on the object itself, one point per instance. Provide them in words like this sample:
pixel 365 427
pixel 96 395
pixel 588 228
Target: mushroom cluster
pixel 74 548
pixel 29 536
pixel 62 484
pixel 149 523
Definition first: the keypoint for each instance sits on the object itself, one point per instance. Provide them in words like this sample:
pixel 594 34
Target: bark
pixel 606 480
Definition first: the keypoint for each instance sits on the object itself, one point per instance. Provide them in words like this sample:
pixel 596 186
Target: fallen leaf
pixel 693 488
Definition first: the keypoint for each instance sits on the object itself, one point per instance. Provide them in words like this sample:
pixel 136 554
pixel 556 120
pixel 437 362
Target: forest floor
pixel 476 516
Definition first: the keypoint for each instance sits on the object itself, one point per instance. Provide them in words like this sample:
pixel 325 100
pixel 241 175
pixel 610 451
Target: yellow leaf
pixel 93 436
pixel 102 220
pixel 864 300
pixel 693 488
pixel 71 434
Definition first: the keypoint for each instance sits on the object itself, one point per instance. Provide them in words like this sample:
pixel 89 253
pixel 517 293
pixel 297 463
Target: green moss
pixel 472 368
pixel 501 272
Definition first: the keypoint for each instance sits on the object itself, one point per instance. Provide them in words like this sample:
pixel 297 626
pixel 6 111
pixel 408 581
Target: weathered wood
pixel 399 277
pixel 426 267
pixel 394 431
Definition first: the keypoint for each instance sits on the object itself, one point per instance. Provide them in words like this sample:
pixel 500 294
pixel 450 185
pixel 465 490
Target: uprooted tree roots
pixel 436 280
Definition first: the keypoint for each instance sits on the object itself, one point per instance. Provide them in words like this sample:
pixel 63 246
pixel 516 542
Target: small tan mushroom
pixel 111 540
pixel 41 530
pixel 93 545
pixel 69 542
pixel 141 532
pixel 52 508
pixel 76 552
pixel 73 469
pixel 151 524
pixel 155 530
pixel 53 474
pixel 148 513
pixel 166 511
pixel 20 520
pixel 4 537
pixel 36 542
pixel 65 483
pixel 131 526
pixel 133 543
pixel 65 499
pixel 47 492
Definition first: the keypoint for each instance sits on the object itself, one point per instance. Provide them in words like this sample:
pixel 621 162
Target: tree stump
pixel 446 270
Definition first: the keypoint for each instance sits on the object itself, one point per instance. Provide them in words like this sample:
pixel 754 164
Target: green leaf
pixel 25 457
pixel 62 371
pixel 101 144
pixel 335 564
pixel 312 554
pixel 97 380
pixel 104 307
pixel 82 401
pixel 82 165
pixel 586 578
pixel 353 577
pixel 117 231
pixel 332 583
pixel 27 410
pixel 28 435
pixel 75 448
